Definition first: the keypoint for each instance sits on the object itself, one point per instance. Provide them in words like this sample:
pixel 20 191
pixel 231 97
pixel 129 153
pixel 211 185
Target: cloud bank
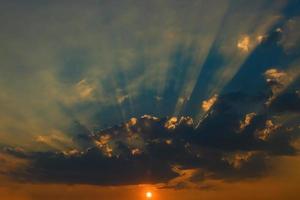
pixel 228 145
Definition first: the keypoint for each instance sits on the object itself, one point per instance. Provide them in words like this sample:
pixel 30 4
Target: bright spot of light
pixel 149 195
pixel 244 43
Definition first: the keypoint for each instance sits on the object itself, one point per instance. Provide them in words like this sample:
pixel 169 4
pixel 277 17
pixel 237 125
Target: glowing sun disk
pixel 149 195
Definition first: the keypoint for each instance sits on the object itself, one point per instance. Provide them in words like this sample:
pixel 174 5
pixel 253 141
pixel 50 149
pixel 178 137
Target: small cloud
pixel 278 80
pixel 238 159
pixel 169 141
pixel 261 38
pixel 158 98
pixel 10 163
pixel 267 132
pixel 122 98
pixel 149 117
pixel 186 120
pixel 247 120
pixel 56 140
pixel 84 89
pixel 181 100
pixel 136 151
pixel 278 30
pixel 104 144
pixel 296 142
pixel 291 35
pixel 244 43
pixel 171 123
pixel 72 152
pixel 275 75
pixel 183 180
pixel 207 104
pixel 132 121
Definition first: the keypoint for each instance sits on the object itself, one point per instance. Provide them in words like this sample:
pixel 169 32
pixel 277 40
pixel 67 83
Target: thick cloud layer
pixel 229 144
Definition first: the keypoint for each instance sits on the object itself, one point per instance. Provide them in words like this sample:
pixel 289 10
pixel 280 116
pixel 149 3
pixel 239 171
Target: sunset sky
pixel 149 99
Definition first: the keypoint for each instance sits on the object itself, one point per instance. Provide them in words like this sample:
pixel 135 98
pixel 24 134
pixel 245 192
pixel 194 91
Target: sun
pixel 149 195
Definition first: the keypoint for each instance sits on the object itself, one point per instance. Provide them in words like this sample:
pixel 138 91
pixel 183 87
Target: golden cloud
pixel 207 104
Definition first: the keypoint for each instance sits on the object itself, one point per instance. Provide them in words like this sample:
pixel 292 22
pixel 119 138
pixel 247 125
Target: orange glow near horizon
pixel 149 195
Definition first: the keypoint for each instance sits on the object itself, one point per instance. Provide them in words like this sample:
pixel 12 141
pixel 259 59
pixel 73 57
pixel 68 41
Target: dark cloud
pixel 287 102
pixel 148 149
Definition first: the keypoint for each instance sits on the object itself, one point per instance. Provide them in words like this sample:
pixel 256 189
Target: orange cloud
pixel 244 43
pixel 247 121
pixel 207 104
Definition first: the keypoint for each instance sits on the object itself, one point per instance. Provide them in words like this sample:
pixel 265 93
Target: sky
pixel 196 99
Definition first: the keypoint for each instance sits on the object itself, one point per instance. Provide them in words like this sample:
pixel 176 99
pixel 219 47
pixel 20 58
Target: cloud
pixel 247 120
pixel 10 163
pixel 84 89
pixel 286 102
pixel 227 145
pixel 280 80
pixel 290 35
pixel 121 99
pixel 268 130
pixel 276 79
pixel 171 123
pixel 56 140
pixel 207 104
pixel 244 43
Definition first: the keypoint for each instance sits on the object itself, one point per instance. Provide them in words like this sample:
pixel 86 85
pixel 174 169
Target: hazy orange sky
pixel 282 184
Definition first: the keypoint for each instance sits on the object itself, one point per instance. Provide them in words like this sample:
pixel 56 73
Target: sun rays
pixel 122 65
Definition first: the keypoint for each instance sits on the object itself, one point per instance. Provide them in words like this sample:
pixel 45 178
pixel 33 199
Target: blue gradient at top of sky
pixel 102 62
